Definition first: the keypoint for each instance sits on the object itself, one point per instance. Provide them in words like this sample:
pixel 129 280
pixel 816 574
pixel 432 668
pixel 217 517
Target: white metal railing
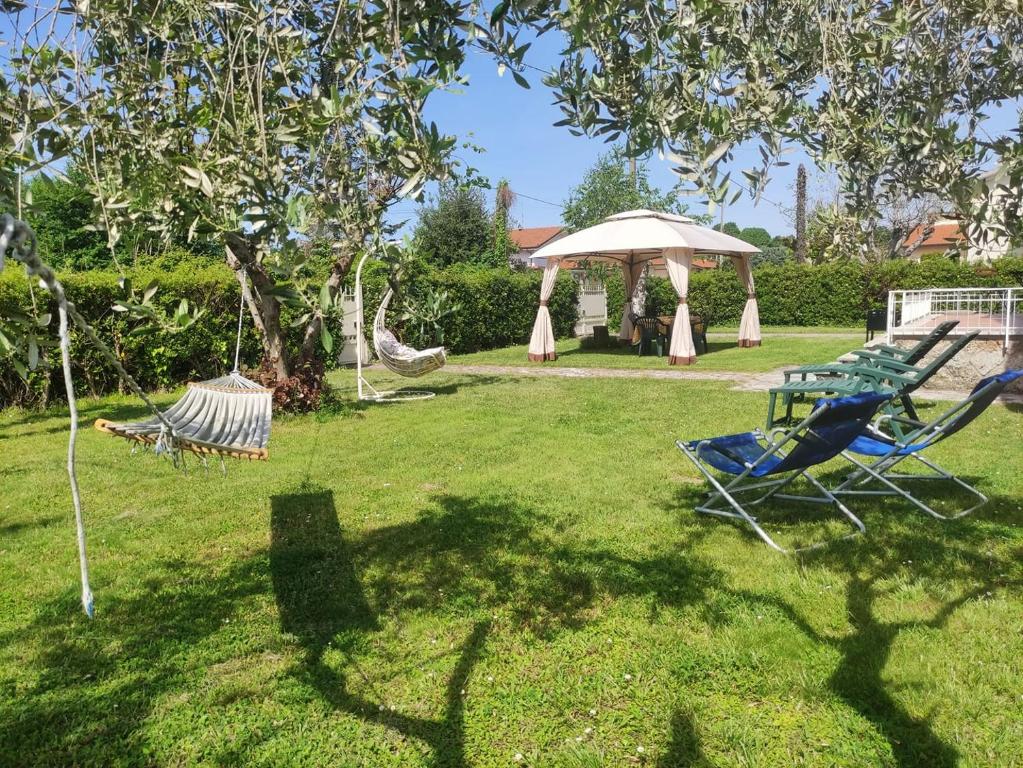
pixel 995 312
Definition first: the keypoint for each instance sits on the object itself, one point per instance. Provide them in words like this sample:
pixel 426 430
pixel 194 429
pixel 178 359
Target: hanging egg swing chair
pixel 396 357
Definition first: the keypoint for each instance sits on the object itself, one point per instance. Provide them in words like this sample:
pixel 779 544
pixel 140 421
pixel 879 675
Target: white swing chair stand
pixel 369 393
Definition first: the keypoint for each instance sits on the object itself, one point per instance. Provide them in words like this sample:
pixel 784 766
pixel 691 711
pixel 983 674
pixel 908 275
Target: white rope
pixel 18 237
pixel 65 354
pixel 241 312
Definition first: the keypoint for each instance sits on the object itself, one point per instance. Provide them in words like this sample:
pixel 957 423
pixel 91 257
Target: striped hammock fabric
pixel 226 416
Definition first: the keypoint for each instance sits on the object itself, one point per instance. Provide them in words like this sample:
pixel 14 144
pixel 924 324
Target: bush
pixel 156 359
pixel 498 307
pixel 838 293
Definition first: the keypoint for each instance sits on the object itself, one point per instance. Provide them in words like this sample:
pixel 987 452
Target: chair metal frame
pixel 922 437
pixel 777 443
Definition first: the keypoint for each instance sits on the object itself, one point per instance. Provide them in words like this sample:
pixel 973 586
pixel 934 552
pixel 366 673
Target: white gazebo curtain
pixel 682 350
pixel 749 327
pixel 541 343
pixel 630 275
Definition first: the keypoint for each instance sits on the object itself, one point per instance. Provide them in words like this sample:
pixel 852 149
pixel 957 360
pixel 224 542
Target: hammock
pixel 226 416
pixel 398 357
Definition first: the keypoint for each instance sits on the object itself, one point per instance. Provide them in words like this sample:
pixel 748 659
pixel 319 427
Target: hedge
pixel 156 359
pixel 498 307
pixel 828 294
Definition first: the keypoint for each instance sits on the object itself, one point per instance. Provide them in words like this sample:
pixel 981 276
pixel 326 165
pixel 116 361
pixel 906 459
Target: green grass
pixel 770 330
pixel 722 355
pixel 511 567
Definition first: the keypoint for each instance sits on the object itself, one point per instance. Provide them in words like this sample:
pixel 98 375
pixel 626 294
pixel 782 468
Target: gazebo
pixel 631 240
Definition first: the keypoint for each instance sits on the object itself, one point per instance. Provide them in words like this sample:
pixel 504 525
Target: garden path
pixel 745 382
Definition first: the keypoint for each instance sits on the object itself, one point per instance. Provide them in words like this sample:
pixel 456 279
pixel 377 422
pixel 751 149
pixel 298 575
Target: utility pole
pixel 721 228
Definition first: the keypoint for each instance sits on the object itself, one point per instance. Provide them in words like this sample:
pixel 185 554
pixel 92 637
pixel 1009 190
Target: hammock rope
pixel 19 238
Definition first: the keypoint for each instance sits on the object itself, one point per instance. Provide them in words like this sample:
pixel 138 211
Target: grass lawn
pixel 511 568
pixel 802 330
pixel 722 355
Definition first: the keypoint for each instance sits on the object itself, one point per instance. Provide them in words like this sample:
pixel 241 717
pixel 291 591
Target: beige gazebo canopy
pixel 632 239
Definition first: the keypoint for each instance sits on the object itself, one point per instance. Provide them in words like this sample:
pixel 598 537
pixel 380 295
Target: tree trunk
pixel 263 306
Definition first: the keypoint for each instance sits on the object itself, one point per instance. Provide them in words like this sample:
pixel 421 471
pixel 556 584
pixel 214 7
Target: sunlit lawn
pixel 513 567
pixel 723 354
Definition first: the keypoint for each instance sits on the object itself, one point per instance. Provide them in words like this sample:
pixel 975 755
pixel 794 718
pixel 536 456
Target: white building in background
pixel 985 245
pixel 528 240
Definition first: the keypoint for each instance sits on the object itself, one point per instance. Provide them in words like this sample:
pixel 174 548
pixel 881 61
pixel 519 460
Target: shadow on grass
pixel 449 384
pixel 13 529
pixel 465 553
pixel 321 602
pixel 866 563
pixel 683 750
pixel 88 411
pixel 94 686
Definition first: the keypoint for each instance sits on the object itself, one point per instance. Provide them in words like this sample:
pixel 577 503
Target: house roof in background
pixel 533 237
pixel 944 233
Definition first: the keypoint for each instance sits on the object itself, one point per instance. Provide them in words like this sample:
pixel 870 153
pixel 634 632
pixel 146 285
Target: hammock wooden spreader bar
pixel 228 416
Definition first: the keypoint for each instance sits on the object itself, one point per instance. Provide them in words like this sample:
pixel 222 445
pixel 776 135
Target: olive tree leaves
pixel 892 95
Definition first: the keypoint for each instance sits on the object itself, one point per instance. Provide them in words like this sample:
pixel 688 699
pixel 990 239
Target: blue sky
pixel 542 163
pixel 515 127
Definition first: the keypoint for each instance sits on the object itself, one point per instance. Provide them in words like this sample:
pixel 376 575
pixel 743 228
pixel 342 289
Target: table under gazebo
pixel 631 240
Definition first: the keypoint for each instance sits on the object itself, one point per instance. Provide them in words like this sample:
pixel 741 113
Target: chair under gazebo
pixel 631 240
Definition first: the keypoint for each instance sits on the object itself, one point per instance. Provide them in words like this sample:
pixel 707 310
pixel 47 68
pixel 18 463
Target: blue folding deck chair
pixel 887 452
pixel 787 455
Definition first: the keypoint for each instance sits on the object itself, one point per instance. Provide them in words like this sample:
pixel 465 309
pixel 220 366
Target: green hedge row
pixel 497 306
pixel 156 359
pixel 829 294
pixel 497 309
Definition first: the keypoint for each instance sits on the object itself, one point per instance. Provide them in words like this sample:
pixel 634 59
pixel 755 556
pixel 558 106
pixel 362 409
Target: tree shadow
pixel 482 555
pixel 322 603
pixel 864 651
pixel 96 682
pixel 501 553
pixel 866 563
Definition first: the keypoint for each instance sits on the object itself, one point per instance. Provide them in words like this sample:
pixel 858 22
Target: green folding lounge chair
pixel 884 376
pixel 878 354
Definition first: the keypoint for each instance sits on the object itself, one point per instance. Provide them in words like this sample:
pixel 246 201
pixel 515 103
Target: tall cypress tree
pixel 801 214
